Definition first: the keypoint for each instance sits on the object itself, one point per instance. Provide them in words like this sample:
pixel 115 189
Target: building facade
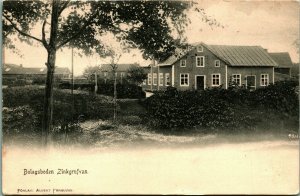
pixel 12 73
pixel 285 65
pixel 206 66
pixel 105 72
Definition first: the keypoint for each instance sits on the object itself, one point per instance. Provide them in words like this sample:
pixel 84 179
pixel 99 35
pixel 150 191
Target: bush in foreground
pixel 125 90
pixel 28 101
pixel 221 108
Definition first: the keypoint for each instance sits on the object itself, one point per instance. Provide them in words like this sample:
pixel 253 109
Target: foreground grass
pixel 103 134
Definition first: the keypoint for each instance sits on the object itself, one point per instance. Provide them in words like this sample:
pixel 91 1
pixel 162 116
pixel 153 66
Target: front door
pixel 200 83
pixel 251 80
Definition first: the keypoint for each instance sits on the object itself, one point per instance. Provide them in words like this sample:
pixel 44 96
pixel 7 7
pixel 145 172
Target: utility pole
pixel 158 77
pixel 152 74
pixel 96 83
pixel 72 61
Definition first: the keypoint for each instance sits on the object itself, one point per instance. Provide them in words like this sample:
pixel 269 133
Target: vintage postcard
pixel 150 97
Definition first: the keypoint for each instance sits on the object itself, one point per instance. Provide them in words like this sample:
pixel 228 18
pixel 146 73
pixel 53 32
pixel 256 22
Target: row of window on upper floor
pixel 199 61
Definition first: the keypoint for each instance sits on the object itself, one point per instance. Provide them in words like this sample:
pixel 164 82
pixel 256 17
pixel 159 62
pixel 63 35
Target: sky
pixel 274 25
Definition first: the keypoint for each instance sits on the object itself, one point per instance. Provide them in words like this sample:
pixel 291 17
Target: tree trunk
pixel 48 100
pixel 115 95
pixel 51 49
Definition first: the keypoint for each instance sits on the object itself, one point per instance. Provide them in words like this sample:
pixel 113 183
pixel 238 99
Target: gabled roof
pixel 179 52
pixel 232 55
pixel 12 69
pixel 283 59
pixel 120 68
pixel 242 55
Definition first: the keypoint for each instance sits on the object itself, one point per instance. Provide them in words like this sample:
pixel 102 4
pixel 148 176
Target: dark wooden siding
pixel 162 69
pixel 193 70
pixel 254 71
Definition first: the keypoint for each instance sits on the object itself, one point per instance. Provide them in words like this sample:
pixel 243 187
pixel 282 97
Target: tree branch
pixel 65 5
pixel 44 41
pixel 78 32
pixel 20 31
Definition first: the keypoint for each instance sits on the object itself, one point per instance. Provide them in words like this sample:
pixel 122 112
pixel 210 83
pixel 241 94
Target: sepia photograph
pixel 150 97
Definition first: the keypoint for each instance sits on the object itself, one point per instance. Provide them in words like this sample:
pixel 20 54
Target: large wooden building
pixel 104 71
pixel 285 65
pixel 203 66
pixel 12 73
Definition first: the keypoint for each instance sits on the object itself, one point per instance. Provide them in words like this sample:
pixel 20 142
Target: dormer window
pixel 199 48
pixel 183 63
pixel 217 63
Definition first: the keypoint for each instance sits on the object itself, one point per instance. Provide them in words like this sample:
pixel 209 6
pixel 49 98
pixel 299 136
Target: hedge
pixel 221 108
pixel 125 90
pixel 86 106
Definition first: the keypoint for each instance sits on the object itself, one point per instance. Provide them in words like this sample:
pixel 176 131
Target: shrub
pixel 86 106
pixel 208 108
pixel 39 80
pixel 217 107
pixel 280 96
pixel 125 90
pixel 19 119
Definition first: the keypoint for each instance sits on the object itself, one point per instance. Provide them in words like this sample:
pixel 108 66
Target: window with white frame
pixel 155 79
pixel 182 63
pixel 264 79
pixel 199 48
pixel 217 63
pixel 216 79
pixel 161 79
pixel 200 61
pixel 167 79
pixel 149 79
pixel 184 79
pixel 236 78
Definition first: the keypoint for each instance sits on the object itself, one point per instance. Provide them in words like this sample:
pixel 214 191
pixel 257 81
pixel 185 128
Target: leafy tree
pixel 114 54
pixel 136 75
pixel 146 25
